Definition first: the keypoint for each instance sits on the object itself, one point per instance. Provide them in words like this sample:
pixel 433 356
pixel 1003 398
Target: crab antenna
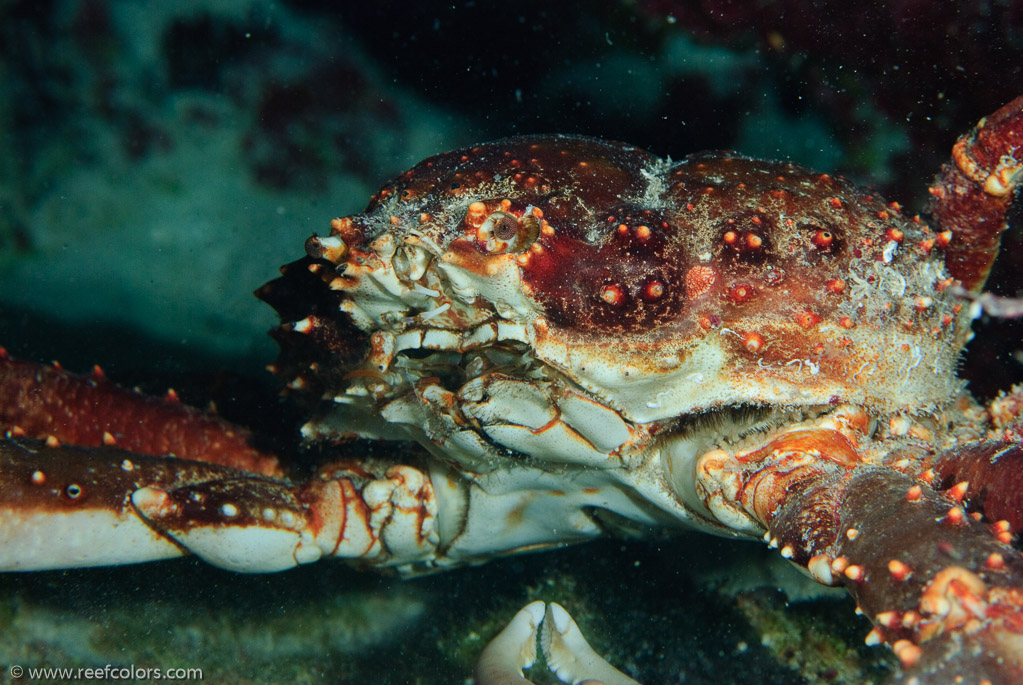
pixel 972 195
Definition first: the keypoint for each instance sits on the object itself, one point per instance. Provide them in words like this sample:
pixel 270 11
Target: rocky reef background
pixel 161 159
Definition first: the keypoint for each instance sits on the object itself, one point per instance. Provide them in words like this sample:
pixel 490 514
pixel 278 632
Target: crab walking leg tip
pixel 570 656
pixel 513 650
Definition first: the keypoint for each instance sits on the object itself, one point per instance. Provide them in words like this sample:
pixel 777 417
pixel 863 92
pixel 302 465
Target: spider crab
pixel 587 339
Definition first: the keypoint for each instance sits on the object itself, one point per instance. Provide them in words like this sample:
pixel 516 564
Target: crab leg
pixel 513 649
pixel 943 589
pixel 990 473
pixel 570 656
pixel 65 506
pixel 42 401
pixel 971 199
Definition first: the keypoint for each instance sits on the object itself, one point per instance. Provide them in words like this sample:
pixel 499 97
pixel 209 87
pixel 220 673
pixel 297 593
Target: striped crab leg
pixel 255 525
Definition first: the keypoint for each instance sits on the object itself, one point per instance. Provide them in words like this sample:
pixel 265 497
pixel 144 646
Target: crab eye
pixel 503 232
pixel 506 228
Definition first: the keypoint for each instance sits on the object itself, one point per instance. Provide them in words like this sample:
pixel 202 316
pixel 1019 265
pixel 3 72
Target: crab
pixel 586 339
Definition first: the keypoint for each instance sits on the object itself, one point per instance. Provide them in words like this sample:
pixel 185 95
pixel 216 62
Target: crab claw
pixel 570 656
pixel 253 524
pixel 565 650
pixel 69 507
pixel 514 649
pixel 245 524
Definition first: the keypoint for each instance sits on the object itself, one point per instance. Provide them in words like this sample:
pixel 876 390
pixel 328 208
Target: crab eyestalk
pixel 973 193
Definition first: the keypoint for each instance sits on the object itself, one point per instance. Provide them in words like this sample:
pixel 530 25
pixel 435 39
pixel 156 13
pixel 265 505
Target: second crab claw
pixel 567 654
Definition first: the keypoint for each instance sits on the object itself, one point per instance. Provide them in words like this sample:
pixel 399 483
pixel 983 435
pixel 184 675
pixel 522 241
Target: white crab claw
pixel 513 650
pixel 566 651
pixel 569 655
pixel 246 525
pixel 40 539
pixel 66 507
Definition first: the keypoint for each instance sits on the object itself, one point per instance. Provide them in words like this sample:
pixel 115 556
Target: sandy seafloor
pixel 161 160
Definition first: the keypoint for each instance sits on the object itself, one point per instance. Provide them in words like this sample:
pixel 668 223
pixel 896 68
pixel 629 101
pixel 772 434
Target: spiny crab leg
pixel 69 506
pixel 993 472
pixel 974 193
pixel 943 589
pixel 41 401
pixel 567 653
